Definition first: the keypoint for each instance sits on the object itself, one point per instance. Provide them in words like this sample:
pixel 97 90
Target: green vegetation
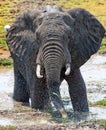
pixel 9 127
pixel 9 9
pixel 6 17
pixel 101 102
pixel 98 103
pixel 3 44
pixel 65 120
pixel 6 62
pixel 103 46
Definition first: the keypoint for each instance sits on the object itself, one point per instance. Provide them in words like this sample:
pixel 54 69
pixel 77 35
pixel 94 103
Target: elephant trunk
pixel 54 59
pixel 53 62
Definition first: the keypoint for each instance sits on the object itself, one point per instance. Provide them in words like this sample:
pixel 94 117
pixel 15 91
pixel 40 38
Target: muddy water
pixel 6 88
pixel 94 73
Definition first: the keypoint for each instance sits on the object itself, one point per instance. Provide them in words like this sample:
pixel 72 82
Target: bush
pixel 6 62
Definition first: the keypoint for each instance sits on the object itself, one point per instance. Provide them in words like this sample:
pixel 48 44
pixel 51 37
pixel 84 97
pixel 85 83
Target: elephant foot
pixel 21 99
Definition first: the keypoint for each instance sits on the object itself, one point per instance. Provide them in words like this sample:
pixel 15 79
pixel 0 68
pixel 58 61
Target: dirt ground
pixel 24 118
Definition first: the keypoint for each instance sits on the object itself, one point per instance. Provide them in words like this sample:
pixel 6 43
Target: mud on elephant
pixel 50 45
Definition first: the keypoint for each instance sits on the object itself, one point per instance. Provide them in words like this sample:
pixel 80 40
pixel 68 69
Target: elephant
pixel 47 46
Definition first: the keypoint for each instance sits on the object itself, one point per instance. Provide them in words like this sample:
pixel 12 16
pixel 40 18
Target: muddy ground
pixel 20 117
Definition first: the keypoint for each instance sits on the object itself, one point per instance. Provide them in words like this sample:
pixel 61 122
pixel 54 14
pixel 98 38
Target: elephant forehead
pixel 53 26
pixel 53 17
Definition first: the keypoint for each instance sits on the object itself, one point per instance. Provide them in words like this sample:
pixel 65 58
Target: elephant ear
pixel 87 34
pixel 21 34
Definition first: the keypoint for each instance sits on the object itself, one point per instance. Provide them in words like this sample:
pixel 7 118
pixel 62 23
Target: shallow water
pixel 5 122
pixel 6 88
pixel 94 73
pixel 95 70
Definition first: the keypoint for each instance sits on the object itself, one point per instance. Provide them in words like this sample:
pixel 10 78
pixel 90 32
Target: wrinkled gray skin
pixel 48 46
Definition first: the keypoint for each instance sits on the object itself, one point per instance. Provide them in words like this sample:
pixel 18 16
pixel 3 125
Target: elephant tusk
pixel 68 69
pixel 38 70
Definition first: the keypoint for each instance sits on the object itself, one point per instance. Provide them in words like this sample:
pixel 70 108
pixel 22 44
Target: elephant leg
pixel 77 91
pixel 39 94
pixel 20 87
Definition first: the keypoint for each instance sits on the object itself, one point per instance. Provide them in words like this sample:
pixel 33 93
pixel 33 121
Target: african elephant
pixel 50 45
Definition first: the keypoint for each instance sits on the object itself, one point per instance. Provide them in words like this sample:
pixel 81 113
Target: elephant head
pixel 64 40
pixel 53 34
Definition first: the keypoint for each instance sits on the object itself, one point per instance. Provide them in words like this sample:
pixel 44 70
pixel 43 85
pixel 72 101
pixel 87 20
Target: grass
pixel 6 62
pixel 103 46
pixel 6 17
pixel 99 103
pixel 3 44
pixel 8 127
